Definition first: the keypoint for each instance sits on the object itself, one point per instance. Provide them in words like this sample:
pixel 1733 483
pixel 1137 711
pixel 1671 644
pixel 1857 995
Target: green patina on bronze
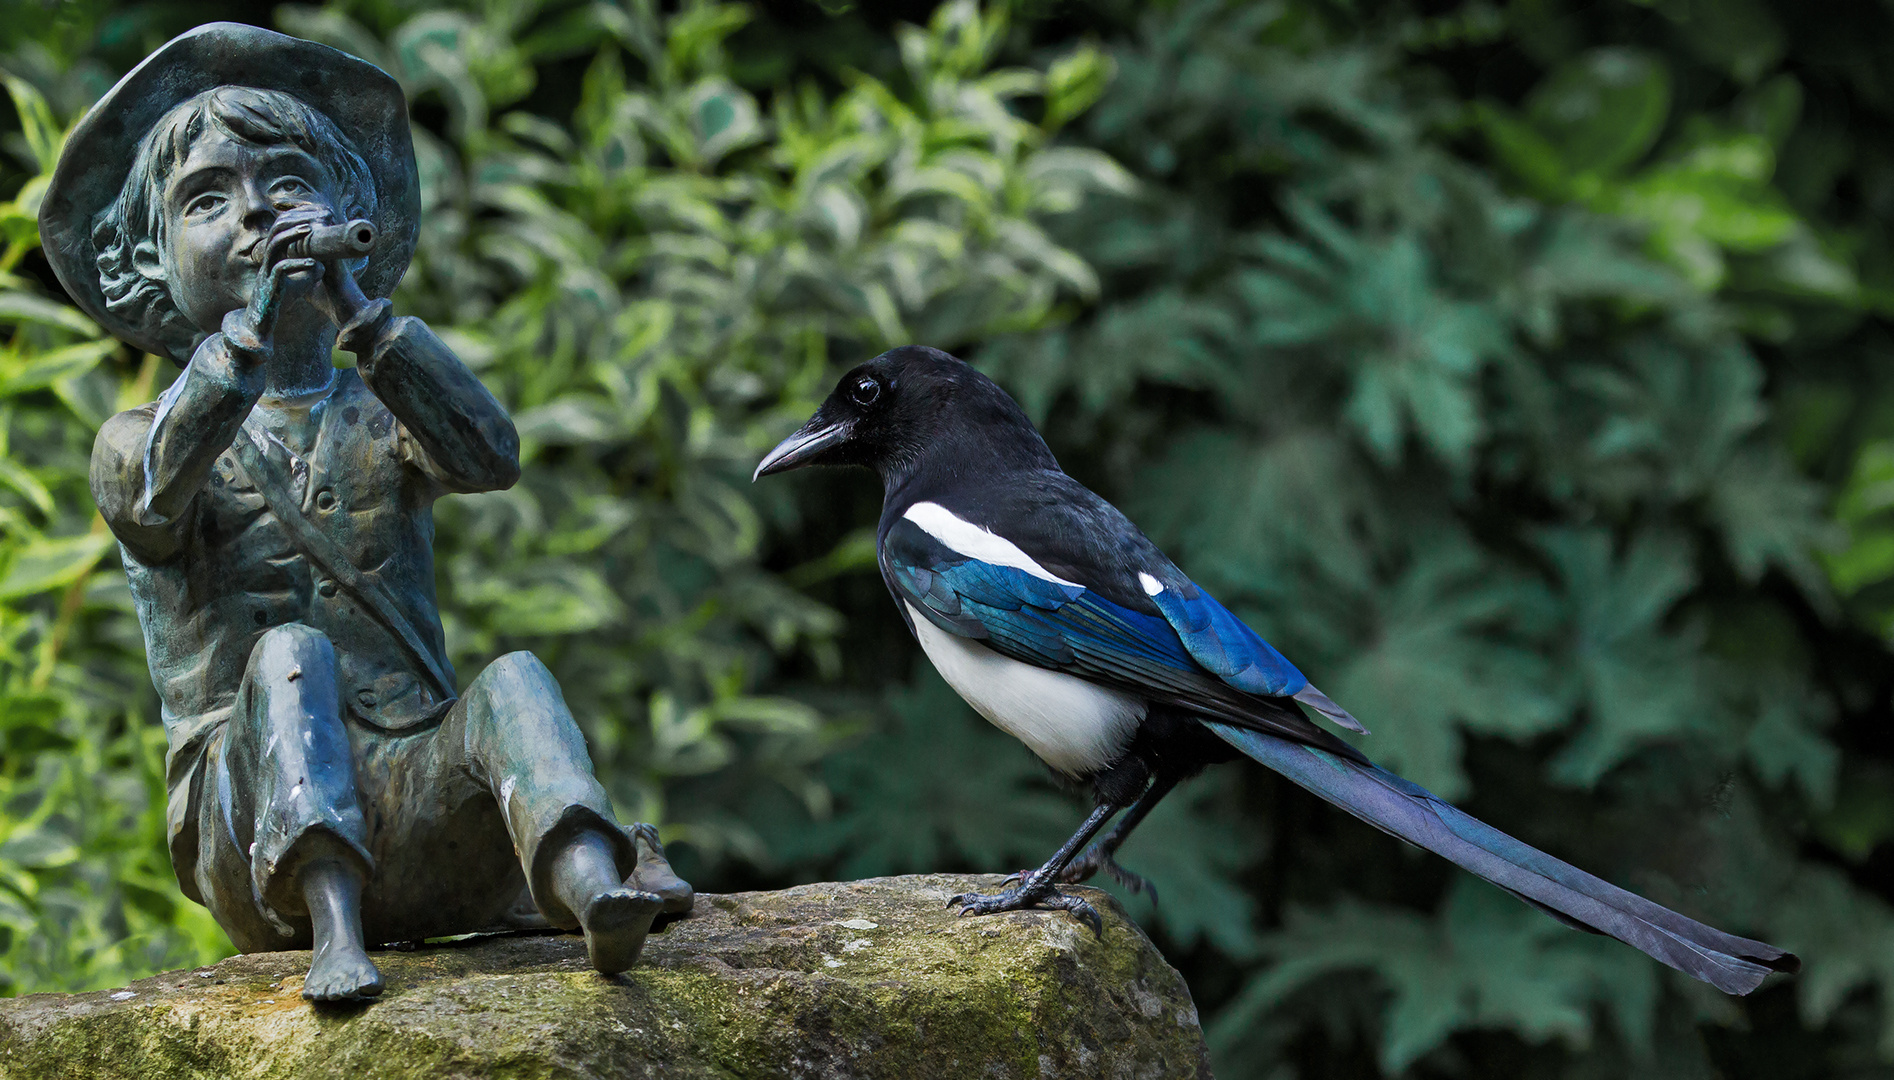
pixel 243 202
pixel 863 979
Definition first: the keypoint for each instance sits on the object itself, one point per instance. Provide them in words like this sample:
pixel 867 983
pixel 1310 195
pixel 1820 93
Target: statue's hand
pixel 340 298
pixel 281 278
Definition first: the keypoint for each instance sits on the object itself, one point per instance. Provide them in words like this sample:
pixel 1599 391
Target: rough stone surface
pixel 864 979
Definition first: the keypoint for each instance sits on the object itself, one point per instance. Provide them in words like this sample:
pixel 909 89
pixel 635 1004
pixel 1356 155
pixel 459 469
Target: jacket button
pixel 325 499
pixel 327 588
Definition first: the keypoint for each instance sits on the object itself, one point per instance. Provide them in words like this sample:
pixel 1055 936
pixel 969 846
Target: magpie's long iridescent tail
pixel 1731 964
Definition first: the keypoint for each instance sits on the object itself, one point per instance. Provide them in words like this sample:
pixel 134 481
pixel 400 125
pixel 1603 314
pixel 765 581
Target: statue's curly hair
pixel 250 115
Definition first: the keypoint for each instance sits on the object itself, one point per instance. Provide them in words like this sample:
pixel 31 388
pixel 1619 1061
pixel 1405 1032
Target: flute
pixel 350 240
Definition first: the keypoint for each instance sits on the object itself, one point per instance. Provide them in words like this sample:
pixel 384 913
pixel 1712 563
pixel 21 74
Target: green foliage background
pixel 1522 370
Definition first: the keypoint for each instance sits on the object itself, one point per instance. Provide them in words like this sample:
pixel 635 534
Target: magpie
pixel 1056 619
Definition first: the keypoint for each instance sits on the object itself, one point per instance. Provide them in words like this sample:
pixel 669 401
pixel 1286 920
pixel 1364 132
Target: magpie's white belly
pixel 1073 725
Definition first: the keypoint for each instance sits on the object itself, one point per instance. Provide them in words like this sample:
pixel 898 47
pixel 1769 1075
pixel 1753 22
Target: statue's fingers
pixel 263 301
pixel 281 237
pixel 289 273
pixel 297 212
pixel 286 223
pixel 275 282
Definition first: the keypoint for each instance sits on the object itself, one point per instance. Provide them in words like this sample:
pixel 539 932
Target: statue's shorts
pixel 446 823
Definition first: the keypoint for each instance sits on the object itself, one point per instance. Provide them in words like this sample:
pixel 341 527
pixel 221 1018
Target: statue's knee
pixel 291 680
pixel 517 671
pixel 285 648
pixel 517 693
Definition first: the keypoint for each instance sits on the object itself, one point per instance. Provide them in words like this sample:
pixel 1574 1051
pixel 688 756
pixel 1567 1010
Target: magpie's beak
pixel 808 440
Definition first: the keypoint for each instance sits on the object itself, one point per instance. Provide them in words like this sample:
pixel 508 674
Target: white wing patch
pixel 1073 725
pixel 977 543
pixel 1152 586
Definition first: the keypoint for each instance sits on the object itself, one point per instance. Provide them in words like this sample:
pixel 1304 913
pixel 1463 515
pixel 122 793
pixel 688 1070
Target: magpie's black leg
pixel 1041 887
pixel 1100 856
pixel 1174 747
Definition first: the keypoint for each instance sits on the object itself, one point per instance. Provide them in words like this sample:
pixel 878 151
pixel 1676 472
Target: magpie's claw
pixel 1046 896
pixel 1080 909
pixel 983 904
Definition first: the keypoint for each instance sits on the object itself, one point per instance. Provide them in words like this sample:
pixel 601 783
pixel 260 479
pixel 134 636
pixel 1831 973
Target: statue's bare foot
pixel 654 873
pixel 615 923
pixel 341 971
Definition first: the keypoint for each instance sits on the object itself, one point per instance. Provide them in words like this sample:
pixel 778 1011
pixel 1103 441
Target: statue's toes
pixel 615 924
pixel 345 977
pixel 657 877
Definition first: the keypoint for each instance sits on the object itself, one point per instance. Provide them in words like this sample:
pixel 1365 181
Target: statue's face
pixel 220 205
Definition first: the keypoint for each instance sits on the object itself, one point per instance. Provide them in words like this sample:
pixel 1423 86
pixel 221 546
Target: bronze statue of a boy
pixel 243 202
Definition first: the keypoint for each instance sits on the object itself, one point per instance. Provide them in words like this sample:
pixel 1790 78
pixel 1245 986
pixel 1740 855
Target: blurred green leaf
pixel 1603 111
pixel 1074 83
pixel 1487 961
pixel 50 563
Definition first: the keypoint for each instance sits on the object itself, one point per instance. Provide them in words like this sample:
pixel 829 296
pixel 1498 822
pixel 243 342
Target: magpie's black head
pixel 905 407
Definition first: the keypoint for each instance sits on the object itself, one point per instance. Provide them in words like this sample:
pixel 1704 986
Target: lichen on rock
pixel 875 978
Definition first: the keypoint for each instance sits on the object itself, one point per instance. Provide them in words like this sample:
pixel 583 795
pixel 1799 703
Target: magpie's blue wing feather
pixel 1080 538
pixel 1227 647
pixel 1000 605
pixel 1067 627
pixel 1222 644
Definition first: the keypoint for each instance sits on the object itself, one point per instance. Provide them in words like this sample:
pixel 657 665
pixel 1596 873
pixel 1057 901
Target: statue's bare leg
pixel 291 779
pixel 340 968
pixel 614 916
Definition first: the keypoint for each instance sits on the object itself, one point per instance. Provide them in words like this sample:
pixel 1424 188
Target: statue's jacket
pixel 212 568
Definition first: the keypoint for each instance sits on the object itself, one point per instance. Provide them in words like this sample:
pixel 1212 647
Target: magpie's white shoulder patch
pixel 1152 586
pixel 976 542
pixel 1074 726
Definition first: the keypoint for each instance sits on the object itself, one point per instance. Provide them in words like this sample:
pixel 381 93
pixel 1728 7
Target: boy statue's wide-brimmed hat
pixel 363 101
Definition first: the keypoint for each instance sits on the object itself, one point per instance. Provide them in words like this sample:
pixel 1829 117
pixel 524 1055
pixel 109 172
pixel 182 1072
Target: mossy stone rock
pixel 872 978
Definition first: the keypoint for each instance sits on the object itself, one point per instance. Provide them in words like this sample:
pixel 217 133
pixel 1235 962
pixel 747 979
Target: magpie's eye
pixel 865 392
